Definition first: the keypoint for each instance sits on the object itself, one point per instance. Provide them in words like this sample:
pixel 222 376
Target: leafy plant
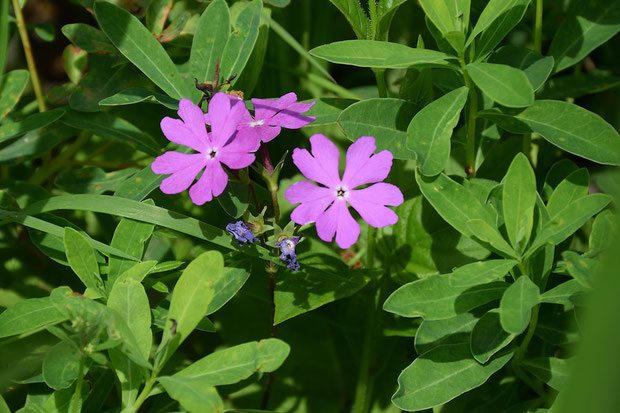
pixel 157 259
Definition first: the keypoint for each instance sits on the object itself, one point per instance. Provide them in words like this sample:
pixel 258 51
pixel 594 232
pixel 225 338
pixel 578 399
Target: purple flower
pixel 241 232
pixel 220 146
pixel 287 248
pixel 328 205
pixel 271 115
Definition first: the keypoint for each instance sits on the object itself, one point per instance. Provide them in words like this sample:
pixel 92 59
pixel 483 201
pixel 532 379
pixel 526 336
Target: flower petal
pixel 180 180
pixel 193 117
pixel 225 112
pixel 176 131
pixel 263 133
pixel 265 109
pixel 322 165
pixel 370 203
pixel 314 200
pixel 292 117
pixel 211 184
pixel 362 166
pixel 172 161
pixel 337 219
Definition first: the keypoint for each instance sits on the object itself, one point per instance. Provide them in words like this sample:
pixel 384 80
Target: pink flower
pixel 270 116
pixel 220 146
pixel 328 205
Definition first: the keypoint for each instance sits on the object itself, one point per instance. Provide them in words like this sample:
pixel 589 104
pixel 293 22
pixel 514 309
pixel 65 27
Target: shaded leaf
pixel 515 307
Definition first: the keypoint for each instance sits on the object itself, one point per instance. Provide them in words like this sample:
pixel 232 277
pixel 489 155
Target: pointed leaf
pixel 431 128
pixel 28 315
pixel 12 85
pixel 515 307
pixel 519 199
pixel 209 41
pixel 81 257
pixel 32 122
pixel 504 84
pixel 480 272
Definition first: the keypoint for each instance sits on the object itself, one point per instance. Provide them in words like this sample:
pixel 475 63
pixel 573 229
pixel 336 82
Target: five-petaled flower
pixel 219 146
pixel 271 115
pixel 327 205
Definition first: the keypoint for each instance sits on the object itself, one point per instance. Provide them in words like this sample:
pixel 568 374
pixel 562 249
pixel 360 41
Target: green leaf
pixel 455 330
pixel 81 257
pixel 495 22
pixel 58 231
pixel 235 198
pixel 91 180
pixel 574 186
pixel 536 67
pixel 480 272
pixel 569 127
pixel 111 127
pixel 355 14
pixel 157 15
pixel 129 374
pixel 192 394
pixel 504 84
pixel 568 294
pixel 455 203
pixel 603 233
pixel 12 85
pixel 386 55
pixel 580 268
pixel 28 316
pixel 32 122
pixel 515 307
pixel 518 200
pixel 190 300
pixel 129 300
pixel 385 119
pixel 88 38
pixel 237 363
pixel 433 298
pixel 140 185
pixel 314 286
pixel 138 45
pixel 488 337
pixel 570 219
pixel 130 237
pixel 553 371
pixel 440 14
pixel 209 41
pixel 60 366
pixel 426 244
pixel 491 235
pixel 142 212
pixel 4 43
pixel 134 95
pixel 577 85
pixel 589 25
pixel 441 375
pixel 327 110
pixel 227 286
pixel 431 128
pixel 241 42
pixel 138 272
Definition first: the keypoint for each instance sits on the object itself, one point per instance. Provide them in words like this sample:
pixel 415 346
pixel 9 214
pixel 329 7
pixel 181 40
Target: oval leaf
pixel 518 200
pixel 488 337
pixel 515 307
pixel 503 84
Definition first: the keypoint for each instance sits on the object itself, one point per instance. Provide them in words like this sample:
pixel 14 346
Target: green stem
pixel 34 76
pixel 364 386
pixel 372 8
pixel 75 402
pixel 144 393
pixel 381 83
pixel 520 354
pixel 370 248
pixel 538 26
pixel 470 145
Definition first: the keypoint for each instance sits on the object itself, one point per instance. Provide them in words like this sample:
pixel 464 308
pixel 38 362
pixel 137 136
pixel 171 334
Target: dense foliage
pixel 307 206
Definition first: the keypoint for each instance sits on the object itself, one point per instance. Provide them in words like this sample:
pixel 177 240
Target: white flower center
pixel 257 123
pixel 211 153
pixel 290 245
pixel 342 192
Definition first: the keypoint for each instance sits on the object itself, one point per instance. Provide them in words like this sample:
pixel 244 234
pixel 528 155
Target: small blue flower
pixel 241 232
pixel 287 247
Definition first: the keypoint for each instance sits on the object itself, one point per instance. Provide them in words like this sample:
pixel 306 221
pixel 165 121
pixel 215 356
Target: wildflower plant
pixel 216 213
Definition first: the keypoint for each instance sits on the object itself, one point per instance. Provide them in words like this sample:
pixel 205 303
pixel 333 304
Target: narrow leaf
pixel 488 337
pixel 28 315
pixel 518 200
pixel 81 257
pixel 209 41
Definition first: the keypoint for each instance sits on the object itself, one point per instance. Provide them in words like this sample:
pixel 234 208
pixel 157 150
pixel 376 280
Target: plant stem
pixel 381 84
pixel 75 401
pixel 538 26
pixel 266 158
pixel 144 393
pixel 364 386
pixel 520 354
pixel 470 145
pixel 23 33
pixel 370 248
pixel 372 8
